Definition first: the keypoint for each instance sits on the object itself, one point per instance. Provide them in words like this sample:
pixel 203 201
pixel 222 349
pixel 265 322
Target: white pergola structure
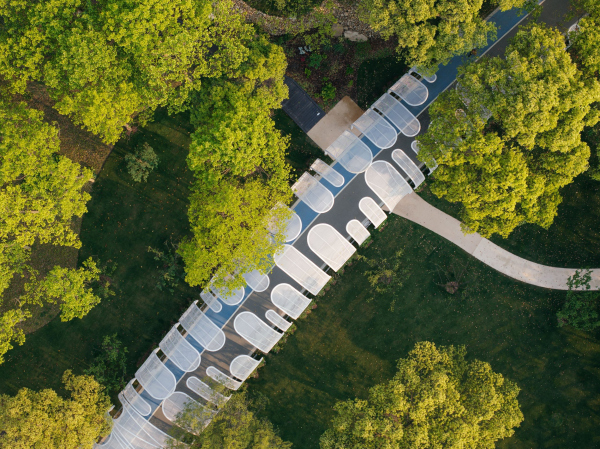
pixel 134 431
pixel 328 172
pixel 231 298
pixel 112 442
pixel 293 226
pixel 176 403
pixel 376 128
pixel 387 183
pixel 397 113
pixel 179 350
pixel 242 366
pixel 156 378
pixel 411 90
pixel 289 300
pixel 350 152
pixel 277 320
pixel 429 79
pixel 357 231
pixel 255 331
pixel 219 376
pixel 257 281
pixel 202 329
pixel 301 269
pixel 330 245
pixel 206 392
pixel 372 211
pixel 313 193
pixel 211 301
pixel 409 167
pixel 133 398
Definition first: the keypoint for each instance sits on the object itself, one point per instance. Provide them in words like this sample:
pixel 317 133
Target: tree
pixel 581 307
pixel 141 163
pixel 436 399
pixel 586 41
pixel 238 157
pixel 41 193
pixel 509 137
pixel 110 366
pixel 236 426
pixel 109 62
pixel 45 420
pixel 431 32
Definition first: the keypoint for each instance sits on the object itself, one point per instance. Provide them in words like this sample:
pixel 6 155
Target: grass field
pixel 349 344
pixel 124 218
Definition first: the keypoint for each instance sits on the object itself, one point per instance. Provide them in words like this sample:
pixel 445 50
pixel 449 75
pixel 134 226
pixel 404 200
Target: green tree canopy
pixel 430 32
pixel 509 136
pixel 42 419
pixel 436 399
pixel 236 426
pixel 41 193
pixel 106 62
pixel 238 157
pixel 586 41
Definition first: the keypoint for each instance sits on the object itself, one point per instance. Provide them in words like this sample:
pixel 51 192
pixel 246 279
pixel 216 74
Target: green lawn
pixel 124 218
pixel 349 344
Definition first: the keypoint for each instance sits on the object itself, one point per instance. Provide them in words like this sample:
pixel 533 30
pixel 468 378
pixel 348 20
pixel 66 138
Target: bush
pixel 110 366
pixel 581 307
pixel 316 59
pixel 141 163
pixel 328 92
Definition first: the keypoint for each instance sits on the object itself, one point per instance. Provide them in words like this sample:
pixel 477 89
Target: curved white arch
pixel 228 297
pixel 372 211
pixel 211 301
pixel 202 329
pixel 134 399
pixel 387 183
pixel 301 269
pixel 206 392
pixel 328 172
pixel 176 403
pixel 331 246
pixel 242 366
pixel 179 350
pixel 256 281
pixel 155 377
pixel 218 376
pixel 289 300
pixel 397 113
pixel 280 322
pixel 377 129
pixel 357 231
pixel 350 152
pixel 409 167
pixel 255 331
pixel 411 90
pixel 318 197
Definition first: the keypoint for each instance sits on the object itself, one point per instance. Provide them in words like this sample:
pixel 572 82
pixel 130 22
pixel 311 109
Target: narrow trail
pixel 414 208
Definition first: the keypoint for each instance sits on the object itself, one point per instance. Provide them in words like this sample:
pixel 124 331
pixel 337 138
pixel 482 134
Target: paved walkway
pixel 416 209
pixel 301 107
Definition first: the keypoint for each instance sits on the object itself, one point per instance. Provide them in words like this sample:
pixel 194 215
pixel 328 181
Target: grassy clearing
pixel 349 344
pixel 124 218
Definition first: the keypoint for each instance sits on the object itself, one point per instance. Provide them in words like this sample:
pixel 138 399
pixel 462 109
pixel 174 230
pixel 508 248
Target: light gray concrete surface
pixel 414 208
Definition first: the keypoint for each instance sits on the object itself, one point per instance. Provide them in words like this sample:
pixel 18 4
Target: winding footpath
pixel 414 208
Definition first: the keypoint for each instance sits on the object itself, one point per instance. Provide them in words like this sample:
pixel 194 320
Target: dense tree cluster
pixel 42 419
pixel 430 32
pixel 586 41
pixel 436 399
pixel 509 136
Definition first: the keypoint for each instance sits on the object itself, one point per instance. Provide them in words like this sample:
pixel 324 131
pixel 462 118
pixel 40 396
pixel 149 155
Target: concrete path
pixel 414 208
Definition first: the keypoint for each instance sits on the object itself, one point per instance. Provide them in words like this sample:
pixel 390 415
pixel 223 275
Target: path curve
pixel 416 209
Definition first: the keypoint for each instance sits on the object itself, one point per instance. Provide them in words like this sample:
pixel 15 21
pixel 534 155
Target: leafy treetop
pixel 436 399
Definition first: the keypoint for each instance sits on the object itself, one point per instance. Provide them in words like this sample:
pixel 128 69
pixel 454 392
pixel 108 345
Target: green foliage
pixel 141 163
pixel 171 272
pixel 430 33
pixel 509 137
pixel 238 157
pixel 436 399
pixel 235 427
pixel 316 59
pixel 386 275
pixel 586 41
pixel 307 72
pixel 43 419
pixel 107 61
pixel 109 368
pixel 581 307
pixel 328 91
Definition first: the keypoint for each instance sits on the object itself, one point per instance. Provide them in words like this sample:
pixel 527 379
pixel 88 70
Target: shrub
pixel 316 59
pixel 110 366
pixel 328 92
pixel 141 163
pixel 581 307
